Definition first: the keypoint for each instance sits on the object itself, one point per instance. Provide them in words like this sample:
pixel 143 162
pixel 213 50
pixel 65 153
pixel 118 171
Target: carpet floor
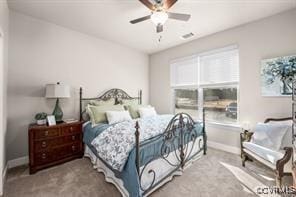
pixel 217 174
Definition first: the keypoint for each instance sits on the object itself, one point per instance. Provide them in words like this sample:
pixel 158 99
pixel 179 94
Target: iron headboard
pixel 117 94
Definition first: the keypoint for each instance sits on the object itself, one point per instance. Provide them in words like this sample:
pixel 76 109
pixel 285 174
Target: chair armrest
pixel 245 137
pixel 281 162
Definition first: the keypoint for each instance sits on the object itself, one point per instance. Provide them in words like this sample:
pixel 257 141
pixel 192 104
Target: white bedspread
pixel 115 143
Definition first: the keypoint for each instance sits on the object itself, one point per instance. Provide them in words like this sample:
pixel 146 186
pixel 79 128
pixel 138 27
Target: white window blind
pixel 219 67
pixel 184 71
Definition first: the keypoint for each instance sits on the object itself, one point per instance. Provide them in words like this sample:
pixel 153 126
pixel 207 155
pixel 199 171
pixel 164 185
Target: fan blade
pixel 177 16
pixel 167 4
pixel 159 28
pixel 148 4
pixel 140 19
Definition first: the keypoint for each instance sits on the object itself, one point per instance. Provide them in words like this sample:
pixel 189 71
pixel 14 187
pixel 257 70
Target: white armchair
pixel 271 145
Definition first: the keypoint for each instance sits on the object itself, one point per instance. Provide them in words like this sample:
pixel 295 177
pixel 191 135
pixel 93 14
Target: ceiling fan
pixel 159 13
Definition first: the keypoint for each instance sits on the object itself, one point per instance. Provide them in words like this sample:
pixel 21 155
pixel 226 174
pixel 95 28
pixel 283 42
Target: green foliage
pixel 40 116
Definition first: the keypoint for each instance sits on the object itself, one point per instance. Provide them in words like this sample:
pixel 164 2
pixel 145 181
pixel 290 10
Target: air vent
pixel 186 36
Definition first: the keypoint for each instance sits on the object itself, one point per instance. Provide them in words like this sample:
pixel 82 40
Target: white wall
pixel 4 15
pixel 42 53
pixel 271 37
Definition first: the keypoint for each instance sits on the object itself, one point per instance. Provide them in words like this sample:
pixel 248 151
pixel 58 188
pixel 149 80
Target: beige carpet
pixel 216 174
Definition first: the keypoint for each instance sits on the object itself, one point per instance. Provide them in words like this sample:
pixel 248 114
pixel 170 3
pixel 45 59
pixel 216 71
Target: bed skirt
pixel 159 165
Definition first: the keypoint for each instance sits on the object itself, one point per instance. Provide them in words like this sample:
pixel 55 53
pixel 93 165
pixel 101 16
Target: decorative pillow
pixel 269 135
pixel 134 110
pixel 117 116
pixel 97 114
pixel 147 112
pixel 288 136
pixel 130 102
pixel 110 101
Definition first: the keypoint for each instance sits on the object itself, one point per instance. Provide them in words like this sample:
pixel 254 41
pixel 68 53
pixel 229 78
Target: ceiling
pixel 109 19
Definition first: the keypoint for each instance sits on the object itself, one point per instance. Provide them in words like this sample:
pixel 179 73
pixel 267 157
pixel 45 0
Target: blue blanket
pixel 129 174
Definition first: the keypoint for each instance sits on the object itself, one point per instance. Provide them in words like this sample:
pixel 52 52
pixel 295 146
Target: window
pixel 208 80
pixel 183 72
pixel 186 100
pixel 220 104
pixel 219 67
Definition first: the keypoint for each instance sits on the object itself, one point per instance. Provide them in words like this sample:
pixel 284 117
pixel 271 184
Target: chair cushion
pixel 269 135
pixel 263 152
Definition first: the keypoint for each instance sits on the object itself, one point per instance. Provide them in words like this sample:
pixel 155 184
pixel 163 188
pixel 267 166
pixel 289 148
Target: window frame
pixel 200 87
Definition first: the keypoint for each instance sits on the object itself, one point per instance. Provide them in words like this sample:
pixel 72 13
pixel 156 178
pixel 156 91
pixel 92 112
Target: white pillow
pixel 147 112
pixel 287 139
pixel 117 116
pixel 269 135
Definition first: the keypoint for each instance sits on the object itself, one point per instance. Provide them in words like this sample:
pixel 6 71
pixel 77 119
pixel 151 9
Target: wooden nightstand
pixel 52 145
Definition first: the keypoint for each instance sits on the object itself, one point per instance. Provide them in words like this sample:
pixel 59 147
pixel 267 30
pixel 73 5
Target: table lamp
pixel 246 126
pixel 57 91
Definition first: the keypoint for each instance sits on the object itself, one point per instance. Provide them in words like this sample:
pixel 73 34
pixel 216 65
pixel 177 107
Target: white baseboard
pixel 3 179
pixel 4 173
pixel 17 162
pixel 224 147
pixel 11 164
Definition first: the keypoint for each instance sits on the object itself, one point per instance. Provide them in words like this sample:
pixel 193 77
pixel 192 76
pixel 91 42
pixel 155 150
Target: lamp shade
pixel 57 91
pixel 246 125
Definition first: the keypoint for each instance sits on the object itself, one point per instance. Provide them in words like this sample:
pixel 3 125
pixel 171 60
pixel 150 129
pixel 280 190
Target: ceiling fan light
pixel 159 17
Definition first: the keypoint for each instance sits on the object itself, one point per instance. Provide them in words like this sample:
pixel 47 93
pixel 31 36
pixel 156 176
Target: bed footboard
pixel 180 143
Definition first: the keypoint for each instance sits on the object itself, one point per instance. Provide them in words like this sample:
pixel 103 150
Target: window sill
pixel 217 124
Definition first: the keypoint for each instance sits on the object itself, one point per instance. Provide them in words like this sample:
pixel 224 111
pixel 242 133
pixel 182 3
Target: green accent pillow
pixel 97 114
pixel 130 102
pixel 109 102
pixel 134 110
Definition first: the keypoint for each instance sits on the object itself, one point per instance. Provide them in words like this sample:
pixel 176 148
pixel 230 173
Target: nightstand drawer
pixel 71 149
pixel 44 157
pixel 71 129
pixel 42 145
pixel 45 133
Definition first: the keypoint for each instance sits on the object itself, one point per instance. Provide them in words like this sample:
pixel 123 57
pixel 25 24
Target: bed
pixel 159 147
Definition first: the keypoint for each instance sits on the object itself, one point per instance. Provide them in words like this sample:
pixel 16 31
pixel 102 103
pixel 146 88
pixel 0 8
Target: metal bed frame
pixel 175 139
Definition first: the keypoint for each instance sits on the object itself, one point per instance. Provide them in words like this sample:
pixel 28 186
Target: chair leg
pixel 278 181
pixel 244 159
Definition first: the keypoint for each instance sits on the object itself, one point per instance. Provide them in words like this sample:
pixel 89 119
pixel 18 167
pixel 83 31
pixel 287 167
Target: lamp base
pixel 57 112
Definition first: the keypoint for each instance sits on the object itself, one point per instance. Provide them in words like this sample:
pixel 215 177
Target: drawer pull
pixel 43 144
pixel 46 133
pixel 43 156
pixel 71 128
pixel 73 148
pixel 73 137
